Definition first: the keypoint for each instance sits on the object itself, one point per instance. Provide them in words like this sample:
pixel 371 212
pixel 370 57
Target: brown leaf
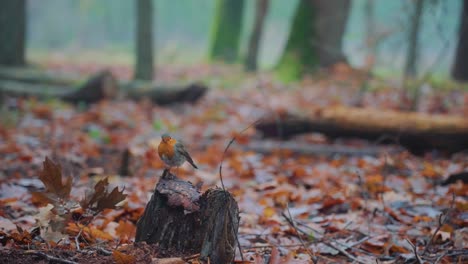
pixel 51 176
pixel 89 233
pixel 126 229
pixel 121 258
pixel 101 199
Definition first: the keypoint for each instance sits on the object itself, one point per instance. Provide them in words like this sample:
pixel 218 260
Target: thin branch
pixel 293 224
pixel 415 251
pixel 342 251
pixel 441 221
pixel 233 139
pixel 50 258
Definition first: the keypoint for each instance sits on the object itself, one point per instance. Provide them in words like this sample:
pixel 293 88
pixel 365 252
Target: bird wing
pixel 181 150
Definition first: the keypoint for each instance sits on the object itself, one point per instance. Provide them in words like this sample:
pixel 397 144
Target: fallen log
pixel 99 86
pixel 266 147
pixel 30 82
pixel 416 131
pixel 164 94
pixel 35 75
pixel 180 219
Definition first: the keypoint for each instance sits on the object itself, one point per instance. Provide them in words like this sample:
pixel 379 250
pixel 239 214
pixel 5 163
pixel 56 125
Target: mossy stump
pixel 178 218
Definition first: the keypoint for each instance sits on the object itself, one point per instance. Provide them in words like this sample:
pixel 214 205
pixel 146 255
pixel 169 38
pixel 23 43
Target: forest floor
pixel 392 207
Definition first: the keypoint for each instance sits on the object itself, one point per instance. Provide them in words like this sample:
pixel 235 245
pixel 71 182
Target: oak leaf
pixel 55 188
pixel 101 198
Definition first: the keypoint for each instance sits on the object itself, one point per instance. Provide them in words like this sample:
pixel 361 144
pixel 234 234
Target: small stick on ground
pixel 233 139
pixel 415 251
pixel 342 251
pixel 441 221
pixel 50 258
pixel 293 224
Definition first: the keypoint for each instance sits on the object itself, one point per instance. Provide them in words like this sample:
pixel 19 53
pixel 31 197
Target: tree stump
pixel 178 218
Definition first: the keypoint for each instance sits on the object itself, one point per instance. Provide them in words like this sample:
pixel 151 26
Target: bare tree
pixel 255 36
pixel 226 30
pixel 315 39
pixel 371 34
pixel 460 65
pixel 144 65
pixel 12 32
pixel 413 39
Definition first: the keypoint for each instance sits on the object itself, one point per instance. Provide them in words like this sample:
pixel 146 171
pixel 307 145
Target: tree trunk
pixel 12 32
pixel 418 132
pixel 254 41
pixel 371 36
pixel 300 54
pixel 144 40
pixel 332 17
pixel 226 30
pixel 179 219
pixel 315 39
pixel 413 40
pixel 460 66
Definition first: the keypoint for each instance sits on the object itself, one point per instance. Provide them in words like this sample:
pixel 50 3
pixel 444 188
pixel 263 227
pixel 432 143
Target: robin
pixel 173 153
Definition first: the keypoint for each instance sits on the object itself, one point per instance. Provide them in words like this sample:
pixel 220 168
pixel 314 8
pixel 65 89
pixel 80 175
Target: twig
pixel 342 251
pixel 439 258
pixel 50 258
pixel 293 224
pixel 104 251
pixel 415 251
pixel 233 139
pixel 441 221
pixel 76 239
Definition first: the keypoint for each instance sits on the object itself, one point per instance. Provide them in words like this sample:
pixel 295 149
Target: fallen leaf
pixel 122 258
pixel 101 199
pixel 51 176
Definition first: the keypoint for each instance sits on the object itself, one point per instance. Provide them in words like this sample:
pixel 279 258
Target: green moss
pixel 300 55
pixel 226 30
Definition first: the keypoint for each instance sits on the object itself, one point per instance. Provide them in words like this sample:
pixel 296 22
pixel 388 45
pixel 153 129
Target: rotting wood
pixel 31 82
pixel 180 219
pixel 416 131
pixel 267 147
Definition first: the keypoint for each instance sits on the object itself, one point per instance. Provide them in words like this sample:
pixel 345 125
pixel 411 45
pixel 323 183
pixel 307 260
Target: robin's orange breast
pixel 166 149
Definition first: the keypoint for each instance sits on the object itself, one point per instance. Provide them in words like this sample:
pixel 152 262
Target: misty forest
pixel 234 131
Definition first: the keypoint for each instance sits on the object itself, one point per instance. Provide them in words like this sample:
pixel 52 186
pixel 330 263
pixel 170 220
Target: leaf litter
pixel 342 208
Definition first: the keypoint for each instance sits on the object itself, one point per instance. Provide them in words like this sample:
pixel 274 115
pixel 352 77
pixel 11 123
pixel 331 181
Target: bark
pixel 12 32
pixel 315 38
pixel 460 66
pixel 99 86
pixel 28 82
pixel 266 147
pixel 254 41
pixel 413 40
pixel 165 94
pixel 415 131
pixel 300 54
pixel 144 40
pixel 227 30
pixel 371 36
pixel 332 17
pixel 180 219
